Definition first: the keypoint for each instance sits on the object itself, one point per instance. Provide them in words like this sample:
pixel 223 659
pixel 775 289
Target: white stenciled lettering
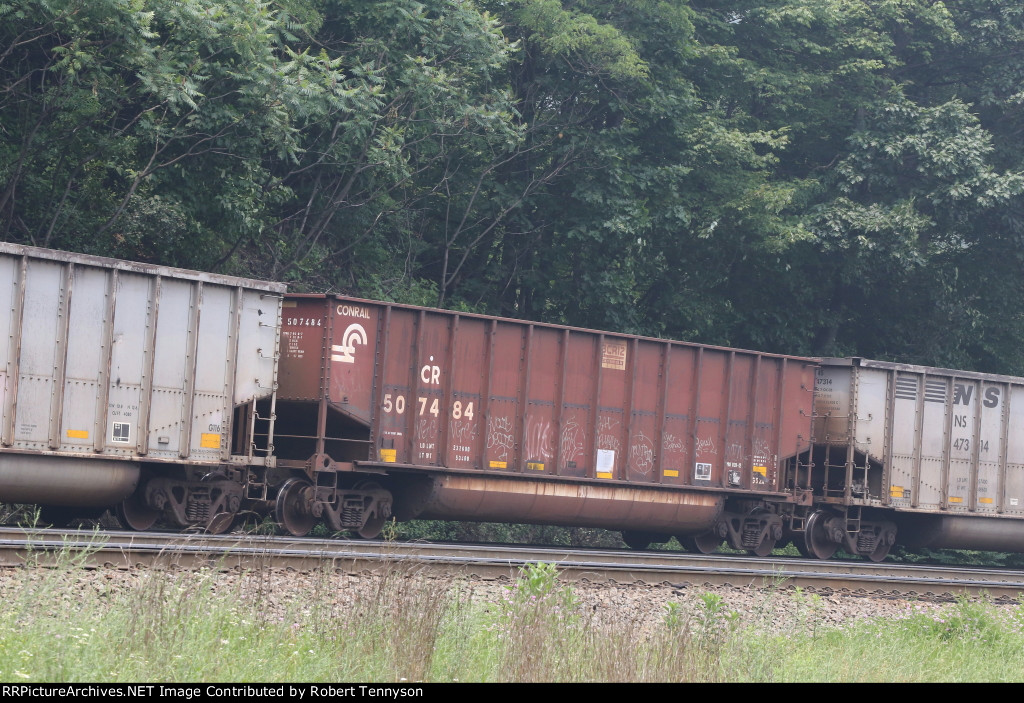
pixel 354 311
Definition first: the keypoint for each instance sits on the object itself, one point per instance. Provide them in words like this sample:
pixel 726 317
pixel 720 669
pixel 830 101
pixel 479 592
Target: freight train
pixel 191 399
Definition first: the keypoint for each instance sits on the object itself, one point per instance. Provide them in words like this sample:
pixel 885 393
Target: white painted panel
pixel 39 349
pixel 961 443
pixel 86 357
pixel 990 445
pixel 1013 481
pixel 870 412
pixel 259 330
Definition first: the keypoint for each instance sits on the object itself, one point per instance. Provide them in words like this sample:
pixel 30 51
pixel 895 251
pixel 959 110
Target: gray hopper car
pixel 937 453
pixel 115 370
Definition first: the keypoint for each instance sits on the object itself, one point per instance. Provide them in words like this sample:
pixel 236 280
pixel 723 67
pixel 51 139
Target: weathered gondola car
pixel 428 413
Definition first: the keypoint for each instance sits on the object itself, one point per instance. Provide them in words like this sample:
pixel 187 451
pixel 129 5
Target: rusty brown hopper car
pixel 426 413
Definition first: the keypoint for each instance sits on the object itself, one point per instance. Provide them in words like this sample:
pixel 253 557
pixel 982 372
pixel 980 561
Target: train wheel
pixel 374 525
pixel 704 543
pixel 292 507
pixel 134 514
pixel 880 553
pixel 816 537
pixel 885 541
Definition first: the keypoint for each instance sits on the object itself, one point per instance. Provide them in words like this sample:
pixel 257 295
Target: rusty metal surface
pixel 498 499
pixel 479 394
pixel 127 550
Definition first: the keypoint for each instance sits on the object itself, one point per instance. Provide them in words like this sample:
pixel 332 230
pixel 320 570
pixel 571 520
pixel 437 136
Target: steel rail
pixel 44 547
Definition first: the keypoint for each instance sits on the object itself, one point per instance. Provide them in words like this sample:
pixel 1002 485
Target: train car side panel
pixel 505 395
pixel 353 355
pixel 712 388
pixel 10 316
pixel 173 354
pixel 927 488
pixel 946 444
pixel 576 444
pixel 396 398
pixel 907 440
pixel 464 432
pixel 433 336
pixel 257 349
pixel 644 402
pixel 304 358
pixel 1012 480
pixel 540 415
pixel 120 361
pixel 41 352
pixel 610 393
pixel 677 435
pixel 471 393
pixel 738 421
pixel 214 377
pixel 990 447
pixel 765 426
pixel 795 401
pixel 134 301
pixel 85 372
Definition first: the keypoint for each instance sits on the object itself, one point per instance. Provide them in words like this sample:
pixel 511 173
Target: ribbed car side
pixel 193 399
pixel 130 385
pixel 469 417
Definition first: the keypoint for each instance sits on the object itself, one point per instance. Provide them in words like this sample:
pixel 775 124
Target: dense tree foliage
pixel 805 176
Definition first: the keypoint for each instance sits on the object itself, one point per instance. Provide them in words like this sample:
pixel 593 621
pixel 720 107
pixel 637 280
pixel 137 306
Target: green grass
pixel 69 624
pixel 971 641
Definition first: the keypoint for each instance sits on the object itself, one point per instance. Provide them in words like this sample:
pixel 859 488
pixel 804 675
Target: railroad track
pixel 46 547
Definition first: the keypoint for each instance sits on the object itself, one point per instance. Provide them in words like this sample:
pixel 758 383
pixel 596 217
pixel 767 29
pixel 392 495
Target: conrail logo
pixel 345 352
pixel 354 311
